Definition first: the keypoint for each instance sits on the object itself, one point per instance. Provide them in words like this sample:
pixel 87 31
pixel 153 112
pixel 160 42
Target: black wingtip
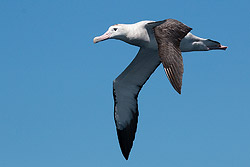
pixel 126 156
pixel 125 141
pixel 126 136
pixel 178 90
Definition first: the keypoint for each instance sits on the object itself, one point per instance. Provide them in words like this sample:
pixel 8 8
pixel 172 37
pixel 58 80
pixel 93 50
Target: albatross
pixel 159 42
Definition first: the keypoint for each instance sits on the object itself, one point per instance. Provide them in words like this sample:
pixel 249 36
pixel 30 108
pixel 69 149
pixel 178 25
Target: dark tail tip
pixel 213 41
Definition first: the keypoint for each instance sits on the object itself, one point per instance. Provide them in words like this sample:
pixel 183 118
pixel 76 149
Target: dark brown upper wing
pixel 168 36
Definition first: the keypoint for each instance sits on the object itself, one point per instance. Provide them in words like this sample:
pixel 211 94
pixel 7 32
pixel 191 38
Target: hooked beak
pixel 101 38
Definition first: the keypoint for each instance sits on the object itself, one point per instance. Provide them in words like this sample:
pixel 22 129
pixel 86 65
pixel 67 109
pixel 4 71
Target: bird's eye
pixel 115 29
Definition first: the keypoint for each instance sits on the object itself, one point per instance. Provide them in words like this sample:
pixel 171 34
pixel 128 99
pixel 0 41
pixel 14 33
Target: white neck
pixel 137 34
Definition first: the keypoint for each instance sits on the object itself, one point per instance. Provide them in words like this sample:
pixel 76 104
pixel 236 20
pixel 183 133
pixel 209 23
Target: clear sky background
pixel 56 100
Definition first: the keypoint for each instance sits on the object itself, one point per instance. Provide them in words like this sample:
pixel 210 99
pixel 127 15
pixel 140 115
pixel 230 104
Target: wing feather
pixel 126 88
pixel 168 36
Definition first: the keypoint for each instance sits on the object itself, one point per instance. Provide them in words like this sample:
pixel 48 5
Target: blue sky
pixel 56 104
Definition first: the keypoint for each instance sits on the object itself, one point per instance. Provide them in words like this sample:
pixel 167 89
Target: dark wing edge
pixel 126 88
pixel 168 36
pixel 126 136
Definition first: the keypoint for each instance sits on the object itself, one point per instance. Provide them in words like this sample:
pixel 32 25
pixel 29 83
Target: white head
pixel 117 31
pixel 135 34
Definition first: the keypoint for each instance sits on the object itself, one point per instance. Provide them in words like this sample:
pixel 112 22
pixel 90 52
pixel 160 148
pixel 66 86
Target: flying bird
pixel 159 42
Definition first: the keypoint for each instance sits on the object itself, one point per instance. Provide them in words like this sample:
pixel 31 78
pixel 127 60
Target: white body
pixel 129 83
pixel 137 34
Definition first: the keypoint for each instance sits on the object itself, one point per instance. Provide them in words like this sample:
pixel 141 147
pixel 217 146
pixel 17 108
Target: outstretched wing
pixel 168 36
pixel 126 88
